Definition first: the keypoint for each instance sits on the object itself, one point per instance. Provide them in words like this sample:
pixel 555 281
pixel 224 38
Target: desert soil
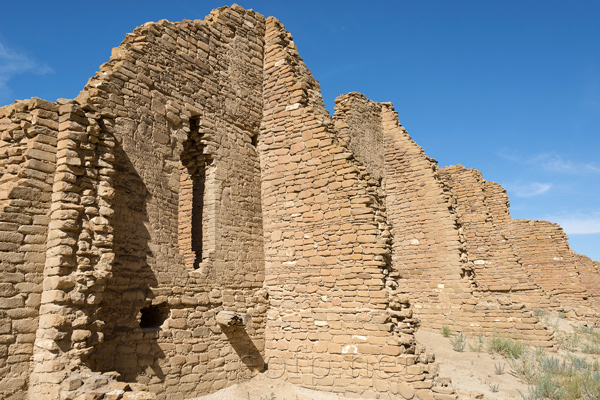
pixel 470 372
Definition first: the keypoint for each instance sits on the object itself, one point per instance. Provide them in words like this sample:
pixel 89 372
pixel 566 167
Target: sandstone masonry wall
pixel 331 324
pixel 506 293
pixel 426 245
pixel 176 102
pixel 79 249
pixel 544 250
pixel 589 271
pixel 195 217
pixel 485 223
pixel 429 254
pixel 27 164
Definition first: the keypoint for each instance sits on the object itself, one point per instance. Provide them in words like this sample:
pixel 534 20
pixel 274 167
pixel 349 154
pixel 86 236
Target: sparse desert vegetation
pixel 571 372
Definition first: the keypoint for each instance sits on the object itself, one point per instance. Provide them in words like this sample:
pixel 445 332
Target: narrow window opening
pixel 199 184
pixel 194 126
pixel 153 317
pixel 254 139
pixel 195 198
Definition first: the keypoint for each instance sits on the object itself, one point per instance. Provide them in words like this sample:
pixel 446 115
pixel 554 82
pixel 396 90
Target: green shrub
pixel 499 368
pixel 524 367
pixel 548 388
pixel 569 341
pixel 479 346
pixel 508 347
pixel 552 378
pixel 446 332
pixel 459 342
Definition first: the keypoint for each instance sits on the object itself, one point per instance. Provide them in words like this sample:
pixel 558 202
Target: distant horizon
pixel 509 88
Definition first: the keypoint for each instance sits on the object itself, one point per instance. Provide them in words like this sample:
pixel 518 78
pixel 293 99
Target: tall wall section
pixel 429 255
pixel 28 133
pixel 331 323
pixel 198 175
pixel 499 277
pixel 79 249
pixel 175 116
pixel 426 245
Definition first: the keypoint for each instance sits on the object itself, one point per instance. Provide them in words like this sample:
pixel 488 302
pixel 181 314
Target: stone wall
pixel 331 324
pixel 507 296
pixel 426 246
pixel 27 164
pixel 589 271
pixel 195 217
pixel 178 103
pixel 545 252
pixel 483 213
pixel 432 249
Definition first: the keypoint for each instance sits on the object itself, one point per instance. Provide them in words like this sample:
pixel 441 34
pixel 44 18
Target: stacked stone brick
pixel 425 246
pixel 27 164
pixel 327 248
pixel 432 246
pixel 195 217
pixel 545 253
pixel 589 271
pixel 529 261
pixel 188 107
pixel 78 248
pixel 499 278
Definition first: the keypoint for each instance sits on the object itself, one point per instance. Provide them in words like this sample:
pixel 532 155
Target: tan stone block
pixel 139 395
pixel 406 390
pixel 440 396
pixel 424 394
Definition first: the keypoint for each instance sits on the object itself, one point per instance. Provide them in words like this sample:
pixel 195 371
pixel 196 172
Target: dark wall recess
pixel 153 317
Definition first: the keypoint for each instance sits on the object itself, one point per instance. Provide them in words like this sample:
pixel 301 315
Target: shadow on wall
pixel 244 347
pixel 127 347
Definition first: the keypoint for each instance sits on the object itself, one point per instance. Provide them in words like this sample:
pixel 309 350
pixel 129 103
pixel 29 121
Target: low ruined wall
pixel 506 294
pixel 485 223
pixel 589 272
pixel 27 164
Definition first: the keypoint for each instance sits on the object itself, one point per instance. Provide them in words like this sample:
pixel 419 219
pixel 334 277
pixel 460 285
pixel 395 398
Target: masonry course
pixel 196 217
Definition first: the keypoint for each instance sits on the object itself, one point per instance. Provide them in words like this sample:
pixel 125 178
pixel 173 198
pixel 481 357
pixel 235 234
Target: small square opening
pixel 153 317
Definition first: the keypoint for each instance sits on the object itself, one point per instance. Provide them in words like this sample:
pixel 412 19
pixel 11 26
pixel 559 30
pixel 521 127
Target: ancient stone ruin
pixel 196 217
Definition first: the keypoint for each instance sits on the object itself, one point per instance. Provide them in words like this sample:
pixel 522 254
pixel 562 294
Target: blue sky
pixel 511 88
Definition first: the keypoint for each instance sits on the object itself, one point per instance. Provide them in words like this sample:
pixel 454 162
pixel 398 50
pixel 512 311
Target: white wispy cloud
pixel 553 162
pixel 527 189
pixel 578 223
pixel 14 63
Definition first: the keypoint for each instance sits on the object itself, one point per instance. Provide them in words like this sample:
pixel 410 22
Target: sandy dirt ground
pixel 476 371
pixel 264 388
pixel 468 370
pixel 471 372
